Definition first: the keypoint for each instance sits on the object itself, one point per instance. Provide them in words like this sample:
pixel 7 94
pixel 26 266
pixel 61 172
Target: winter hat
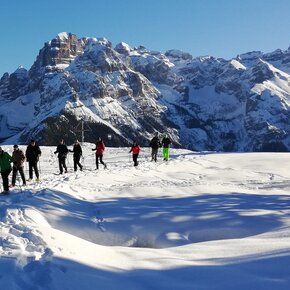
pixel 15 146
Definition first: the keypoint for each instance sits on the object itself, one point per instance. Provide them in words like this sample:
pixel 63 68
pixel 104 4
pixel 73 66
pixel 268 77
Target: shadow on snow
pixel 268 272
pixel 159 222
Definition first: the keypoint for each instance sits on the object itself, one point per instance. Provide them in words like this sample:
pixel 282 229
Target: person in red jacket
pixel 135 149
pixel 100 148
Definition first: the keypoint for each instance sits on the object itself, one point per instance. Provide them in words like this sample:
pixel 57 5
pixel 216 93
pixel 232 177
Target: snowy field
pixel 198 222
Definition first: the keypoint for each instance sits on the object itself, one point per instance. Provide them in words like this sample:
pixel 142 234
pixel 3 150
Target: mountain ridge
pixel 204 103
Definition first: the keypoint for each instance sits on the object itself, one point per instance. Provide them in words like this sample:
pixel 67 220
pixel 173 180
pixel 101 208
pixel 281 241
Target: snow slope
pixel 200 221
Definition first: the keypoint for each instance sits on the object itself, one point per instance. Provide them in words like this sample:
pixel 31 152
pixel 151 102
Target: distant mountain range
pixel 203 103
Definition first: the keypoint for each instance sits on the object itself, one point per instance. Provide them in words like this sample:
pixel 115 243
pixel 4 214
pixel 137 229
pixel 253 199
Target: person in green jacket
pixel 5 169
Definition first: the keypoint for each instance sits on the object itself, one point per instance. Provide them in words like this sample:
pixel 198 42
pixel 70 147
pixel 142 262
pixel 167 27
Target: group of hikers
pixel 18 157
pixel 77 151
pixel 33 153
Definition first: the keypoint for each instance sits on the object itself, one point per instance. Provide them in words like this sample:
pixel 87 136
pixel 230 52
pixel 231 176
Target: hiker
pixel 166 143
pixel 62 153
pixel 5 168
pixel 32 154
pixel 100 148
pixel 135 149
pixel 155 144
pixel 77 153
pixel 18 162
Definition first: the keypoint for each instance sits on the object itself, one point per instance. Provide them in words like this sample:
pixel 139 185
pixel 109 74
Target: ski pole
pixel 19 184
pixel 83 161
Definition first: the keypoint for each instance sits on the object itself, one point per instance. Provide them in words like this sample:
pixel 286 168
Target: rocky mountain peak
pixel 11 86
pixel 99 56
pixel 123 48
pixel 249 56
pixel 178 54
pixel 63 36
pixel 57 54
pixel 261 72
pixel 4 77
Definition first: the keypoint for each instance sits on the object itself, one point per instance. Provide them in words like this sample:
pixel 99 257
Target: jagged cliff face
pixel 14 85
pixel 129 93
pixel 55 56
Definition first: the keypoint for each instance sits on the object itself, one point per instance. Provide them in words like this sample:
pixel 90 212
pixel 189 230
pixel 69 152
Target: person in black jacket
pixel 77 151
pixel 62 153
pixel 155 144
pixel 32 154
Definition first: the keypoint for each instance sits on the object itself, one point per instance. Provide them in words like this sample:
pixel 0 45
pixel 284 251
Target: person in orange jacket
pixel 135 149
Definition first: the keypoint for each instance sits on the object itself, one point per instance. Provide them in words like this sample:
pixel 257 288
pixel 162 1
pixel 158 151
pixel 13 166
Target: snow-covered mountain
pixel 204 103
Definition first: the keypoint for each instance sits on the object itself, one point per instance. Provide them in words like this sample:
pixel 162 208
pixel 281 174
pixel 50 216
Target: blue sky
pixel 222 28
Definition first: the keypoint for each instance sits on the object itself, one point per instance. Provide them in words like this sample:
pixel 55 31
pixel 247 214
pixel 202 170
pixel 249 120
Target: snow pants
pixel 62 165
pixel 154 154
pixel 166 153
pixel 33 166
pixel 135 159
pixel 14 173
pixel 101 160
pixel 5 180
pixel 77 163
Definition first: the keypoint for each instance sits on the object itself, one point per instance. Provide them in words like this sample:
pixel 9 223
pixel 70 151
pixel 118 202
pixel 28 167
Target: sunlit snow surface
pixel 199 221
